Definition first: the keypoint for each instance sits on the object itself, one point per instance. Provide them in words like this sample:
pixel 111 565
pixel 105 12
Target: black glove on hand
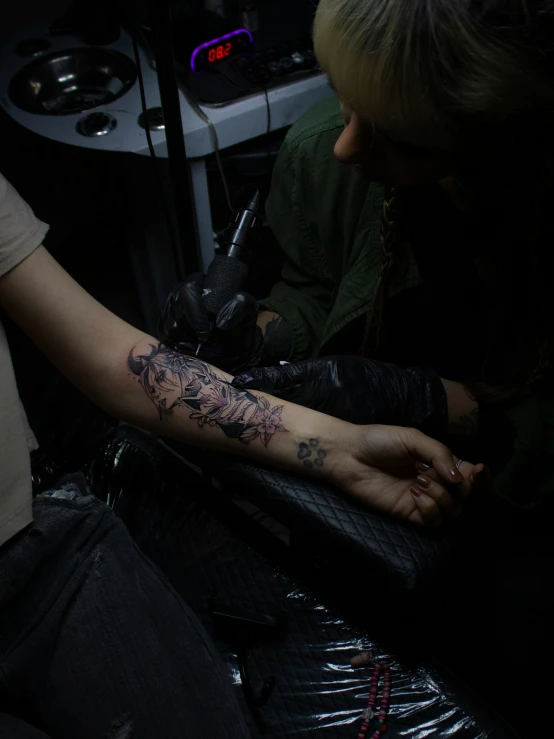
pixel 231 340
pixel 358 390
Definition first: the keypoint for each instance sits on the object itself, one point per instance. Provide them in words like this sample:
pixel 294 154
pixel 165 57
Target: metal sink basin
pixel 72 81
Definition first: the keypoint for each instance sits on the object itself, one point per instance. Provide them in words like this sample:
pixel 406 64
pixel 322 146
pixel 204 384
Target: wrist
pixel 331 443
pixel 463 410
pixel 314 445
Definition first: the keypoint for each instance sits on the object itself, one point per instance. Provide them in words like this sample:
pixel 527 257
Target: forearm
pixel 463 410
pixel 132 377
pixel 195 403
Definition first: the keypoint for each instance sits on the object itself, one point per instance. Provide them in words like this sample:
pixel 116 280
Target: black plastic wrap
pixel 306 657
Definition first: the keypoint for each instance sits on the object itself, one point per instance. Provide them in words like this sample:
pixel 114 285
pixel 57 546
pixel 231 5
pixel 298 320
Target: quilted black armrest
pixel 338 530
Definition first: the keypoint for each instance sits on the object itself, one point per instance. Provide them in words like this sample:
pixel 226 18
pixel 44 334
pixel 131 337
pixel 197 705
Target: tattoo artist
pixel 77 599
pixel 417 284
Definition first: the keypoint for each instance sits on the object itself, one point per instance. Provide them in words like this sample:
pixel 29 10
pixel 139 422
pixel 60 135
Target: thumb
pixel 436 455
pixel 194 311
pixel 241 308
pixel 263 379
pixel 283 382
pixel 480 477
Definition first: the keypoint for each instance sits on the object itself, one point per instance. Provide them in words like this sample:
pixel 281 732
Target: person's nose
pixel 351 145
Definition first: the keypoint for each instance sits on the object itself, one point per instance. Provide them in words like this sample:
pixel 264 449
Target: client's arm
pixel 133 377
pixel 463 410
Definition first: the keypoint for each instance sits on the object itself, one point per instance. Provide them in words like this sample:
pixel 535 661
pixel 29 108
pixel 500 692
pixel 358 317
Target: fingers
pixel 476 477
pixel 263 379
pixel 434 503
pixel 440 488
pixel 480 477
pixel 427 512
pixel 427 491
pixel 169 318
pixel 435 454
pixel 241 308
pixel 283 382
pixel 194 311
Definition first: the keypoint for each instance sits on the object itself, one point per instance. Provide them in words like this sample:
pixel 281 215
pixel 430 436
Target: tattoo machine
pixel 227 272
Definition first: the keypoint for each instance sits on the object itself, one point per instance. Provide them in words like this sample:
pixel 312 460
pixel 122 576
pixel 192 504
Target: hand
pixel 358 390
pixel 404 473
pixel 231 340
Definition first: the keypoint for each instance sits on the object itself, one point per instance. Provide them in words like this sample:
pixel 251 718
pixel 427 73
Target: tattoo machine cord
pixel 191 101
pixel 213 131
pixel 268 130
pixel 163 202
pixel 215 140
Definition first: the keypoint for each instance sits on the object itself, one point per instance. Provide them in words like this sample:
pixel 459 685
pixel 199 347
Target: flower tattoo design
pixel 172 380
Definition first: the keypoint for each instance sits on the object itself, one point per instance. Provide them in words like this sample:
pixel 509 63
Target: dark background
pixel 99 206
pixel 496 621
pixel 14 15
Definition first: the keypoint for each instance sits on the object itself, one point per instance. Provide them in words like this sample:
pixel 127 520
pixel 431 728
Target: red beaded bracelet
pixel 369 712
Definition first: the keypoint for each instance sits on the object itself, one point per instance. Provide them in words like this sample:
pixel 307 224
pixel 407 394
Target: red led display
pixel 218 50
pixel 222 51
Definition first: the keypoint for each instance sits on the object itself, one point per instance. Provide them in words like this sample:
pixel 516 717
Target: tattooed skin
pixel 470 422
pixel 173 380
pixel 310 454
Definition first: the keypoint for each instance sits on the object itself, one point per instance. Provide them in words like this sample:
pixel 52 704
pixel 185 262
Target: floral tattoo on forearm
pixel 172 380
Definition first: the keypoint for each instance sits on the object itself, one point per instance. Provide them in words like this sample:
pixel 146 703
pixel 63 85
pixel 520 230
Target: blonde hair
pixel 475 77
pixel 418 66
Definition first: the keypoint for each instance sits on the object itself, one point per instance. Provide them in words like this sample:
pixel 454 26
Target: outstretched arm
pixel 131 376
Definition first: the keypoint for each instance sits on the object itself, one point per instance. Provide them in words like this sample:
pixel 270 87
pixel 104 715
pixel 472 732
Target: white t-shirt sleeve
pixel 21 232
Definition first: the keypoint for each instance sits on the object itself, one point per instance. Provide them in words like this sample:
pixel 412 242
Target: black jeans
pixel 94 641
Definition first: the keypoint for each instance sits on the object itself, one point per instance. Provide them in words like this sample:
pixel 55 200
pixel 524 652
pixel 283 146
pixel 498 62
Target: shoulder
pixel 310 173
pixel 21 232
pixel 309 177
pixel 322 122
pixel 336 212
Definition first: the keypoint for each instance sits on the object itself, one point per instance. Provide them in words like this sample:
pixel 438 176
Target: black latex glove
pixel 358 390
pixel 231 340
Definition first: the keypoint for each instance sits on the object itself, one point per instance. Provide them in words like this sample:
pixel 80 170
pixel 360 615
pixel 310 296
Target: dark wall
pixel 16 14
pixel 86 196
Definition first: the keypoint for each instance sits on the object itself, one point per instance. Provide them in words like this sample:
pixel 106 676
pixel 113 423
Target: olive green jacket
pixel 327 221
